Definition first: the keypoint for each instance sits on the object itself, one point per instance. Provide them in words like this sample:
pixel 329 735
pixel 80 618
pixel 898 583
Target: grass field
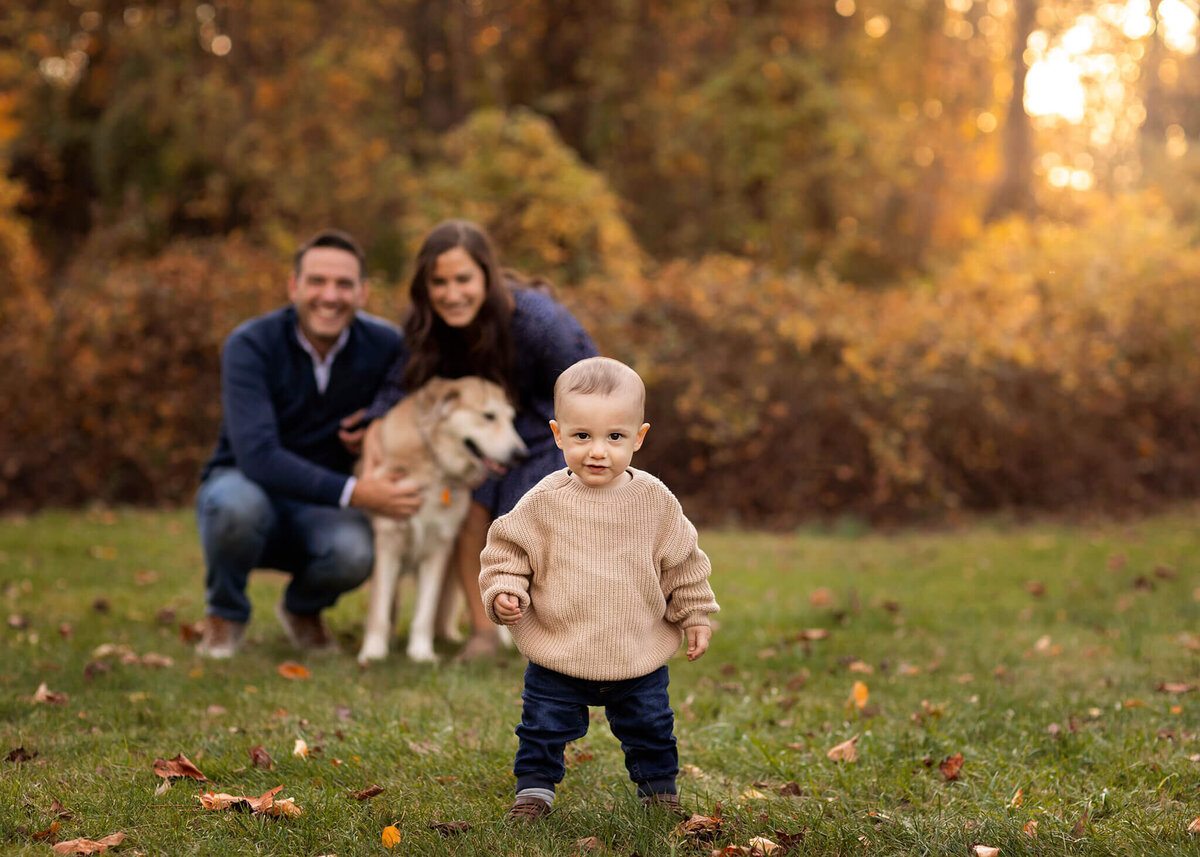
pixel 1059 660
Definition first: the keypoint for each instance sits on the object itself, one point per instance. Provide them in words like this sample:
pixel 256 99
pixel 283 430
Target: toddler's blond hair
pixel 602 376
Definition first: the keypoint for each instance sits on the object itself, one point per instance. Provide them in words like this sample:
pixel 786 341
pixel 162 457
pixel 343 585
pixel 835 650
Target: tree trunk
pixel 1014 193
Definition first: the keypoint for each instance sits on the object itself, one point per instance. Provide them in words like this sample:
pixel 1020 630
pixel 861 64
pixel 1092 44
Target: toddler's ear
pixel 557 433
pixel 641 436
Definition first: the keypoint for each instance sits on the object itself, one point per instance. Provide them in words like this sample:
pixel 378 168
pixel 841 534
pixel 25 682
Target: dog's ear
pixel 434 400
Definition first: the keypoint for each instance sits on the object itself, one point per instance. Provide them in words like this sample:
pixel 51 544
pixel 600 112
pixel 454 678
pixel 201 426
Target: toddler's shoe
pixel 666 802
pixel 526 810
pixel 221 638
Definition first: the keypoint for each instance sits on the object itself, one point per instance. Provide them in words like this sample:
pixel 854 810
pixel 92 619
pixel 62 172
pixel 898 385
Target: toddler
pixel 597 572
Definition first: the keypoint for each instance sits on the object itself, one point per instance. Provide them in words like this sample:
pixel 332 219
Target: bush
pixel 121 399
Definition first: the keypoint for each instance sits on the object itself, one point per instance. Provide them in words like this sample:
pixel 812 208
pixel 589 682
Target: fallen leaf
pixel 1017 799
pixel 153 659
pixel 951 765
pixel 163 788
pixel 260 758
pixel 859 694
pixel 689 770
pixel 44 695
pixel 300 748
pixel 844 752
pixel 812 634
pixel 701 827
pixel 390 836
pixel 89 846
pixel 291 669
pixel 18 622
pixel 1133 703
pixel 265 804
pixel 588 843
pixel 1035 588
pixel 285 807
pixel 763 845
pixel 449 828
pixel 753 794
pixel 49 832
pixel 861 667
pixel 101 605
pixel 1194 827
pixel 1030 829
pixel 791 789
pixel 424 748
pixel 20 755
pixel 1175 687
pixel 367 793
pixel 180 766
pixel 820 597
pixel 986 851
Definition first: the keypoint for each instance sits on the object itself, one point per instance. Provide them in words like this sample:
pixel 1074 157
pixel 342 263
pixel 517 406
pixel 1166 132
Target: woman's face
pixel 457 287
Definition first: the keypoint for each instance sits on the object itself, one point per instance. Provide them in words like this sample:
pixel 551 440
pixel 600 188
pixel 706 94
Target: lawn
pixel 1060 661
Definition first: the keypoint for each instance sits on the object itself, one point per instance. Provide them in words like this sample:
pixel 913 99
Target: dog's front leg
pixel 378 629
pixel 429 584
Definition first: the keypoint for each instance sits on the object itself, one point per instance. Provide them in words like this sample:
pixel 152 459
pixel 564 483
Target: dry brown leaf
pixel 20 755
pixel 264 804
pixel 986 851
pixel 300 748
pixel 89 846
pixel 49 832
pixel 812 634
pixel 18 622
pixel 951 765
pixel 861 667
pixel 753 794
pixel 367 793
pixel 821 597
pixel 701 827
pixel 588 843
pixel 48 697
pixel 844 752
pixel 450 828
pixel 1175 687
pixel 153 659
pixel 291 669
pixel 1017 799
pixel 180 766
pixel 1030 829
pixel 260 758
pixel 1194 827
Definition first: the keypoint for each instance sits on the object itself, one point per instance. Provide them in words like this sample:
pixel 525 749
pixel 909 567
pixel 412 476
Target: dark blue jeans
pixel 556 711
pixel 327 550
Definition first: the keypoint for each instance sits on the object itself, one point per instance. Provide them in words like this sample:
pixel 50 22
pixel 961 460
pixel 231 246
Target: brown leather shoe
pixel 306 631
pixel 526 810
pixel 220 638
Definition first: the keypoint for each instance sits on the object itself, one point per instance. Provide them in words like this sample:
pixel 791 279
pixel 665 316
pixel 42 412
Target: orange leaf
pixel 1030 829
pixel 180 766
pixel 859 694
pixel 260 758
pixel 1194 827
pixel 391 837
pixel 291 669
pixel 367 793
pixel 951 765
pixel 1017 799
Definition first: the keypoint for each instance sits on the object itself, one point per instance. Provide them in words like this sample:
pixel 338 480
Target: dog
pixel 449 436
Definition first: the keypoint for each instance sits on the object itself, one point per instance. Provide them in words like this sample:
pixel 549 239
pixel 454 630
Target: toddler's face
pixel 598 435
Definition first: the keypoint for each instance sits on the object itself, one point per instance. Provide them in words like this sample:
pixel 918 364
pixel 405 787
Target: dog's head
pixel 469 423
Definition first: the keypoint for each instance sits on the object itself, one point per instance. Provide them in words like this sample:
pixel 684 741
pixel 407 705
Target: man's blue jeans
pixel 327 550
pixel 556 711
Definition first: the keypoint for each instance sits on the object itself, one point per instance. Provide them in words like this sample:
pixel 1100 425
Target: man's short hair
pixel 332 238
pixel 601 376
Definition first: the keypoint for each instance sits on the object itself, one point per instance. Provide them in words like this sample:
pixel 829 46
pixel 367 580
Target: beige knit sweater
pixel 607 579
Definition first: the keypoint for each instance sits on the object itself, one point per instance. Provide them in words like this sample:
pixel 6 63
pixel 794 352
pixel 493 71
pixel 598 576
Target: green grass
pixel 1054 694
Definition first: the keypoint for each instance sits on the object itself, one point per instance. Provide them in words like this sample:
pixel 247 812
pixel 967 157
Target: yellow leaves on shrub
pixel 845 751
pixel 390 837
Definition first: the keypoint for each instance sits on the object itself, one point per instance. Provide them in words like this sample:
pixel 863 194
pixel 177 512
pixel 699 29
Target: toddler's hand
pixel 697 640
pixel 508 608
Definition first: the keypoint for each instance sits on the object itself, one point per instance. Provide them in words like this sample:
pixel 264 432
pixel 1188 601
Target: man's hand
pixel 508 608
pixel 351 431
pixel 697 640
pixel 391 495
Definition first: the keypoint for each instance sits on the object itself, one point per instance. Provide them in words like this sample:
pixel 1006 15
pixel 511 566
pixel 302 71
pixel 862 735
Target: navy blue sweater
pixel 276 428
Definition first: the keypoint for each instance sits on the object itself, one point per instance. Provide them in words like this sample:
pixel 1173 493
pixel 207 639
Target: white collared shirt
pixel 322 366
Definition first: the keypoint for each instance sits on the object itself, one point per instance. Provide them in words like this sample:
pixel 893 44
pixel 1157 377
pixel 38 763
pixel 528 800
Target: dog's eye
pixel 489 416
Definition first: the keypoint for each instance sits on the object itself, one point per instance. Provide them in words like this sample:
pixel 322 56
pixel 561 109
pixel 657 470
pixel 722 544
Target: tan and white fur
pixel 448 436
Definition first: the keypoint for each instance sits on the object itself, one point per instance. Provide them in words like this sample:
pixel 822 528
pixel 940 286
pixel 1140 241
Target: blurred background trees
pixel 888 257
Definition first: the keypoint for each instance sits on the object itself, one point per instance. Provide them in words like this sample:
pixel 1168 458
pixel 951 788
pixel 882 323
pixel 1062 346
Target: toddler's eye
pixel 615 436
pixel 581 435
